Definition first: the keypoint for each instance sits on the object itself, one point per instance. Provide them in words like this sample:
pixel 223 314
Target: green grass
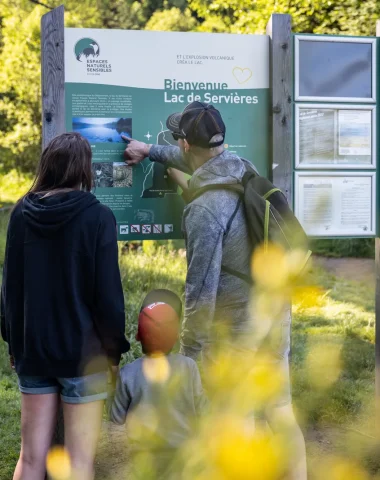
pixel 343 316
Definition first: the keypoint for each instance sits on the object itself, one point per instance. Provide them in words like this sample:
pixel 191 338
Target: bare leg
pixel 282 419
pixel 38 417
pixel 82 428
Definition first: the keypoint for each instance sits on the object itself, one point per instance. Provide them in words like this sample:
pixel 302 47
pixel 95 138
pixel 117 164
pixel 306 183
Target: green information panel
pixel 128 82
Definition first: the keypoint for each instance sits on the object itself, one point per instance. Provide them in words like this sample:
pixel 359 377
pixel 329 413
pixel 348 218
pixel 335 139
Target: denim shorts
pixel 89 388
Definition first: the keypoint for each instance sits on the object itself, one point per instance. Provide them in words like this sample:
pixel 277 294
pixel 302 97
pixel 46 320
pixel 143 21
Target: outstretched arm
pixel 167 155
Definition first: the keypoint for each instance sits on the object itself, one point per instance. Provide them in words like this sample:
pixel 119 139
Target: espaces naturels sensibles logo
pixel 87 51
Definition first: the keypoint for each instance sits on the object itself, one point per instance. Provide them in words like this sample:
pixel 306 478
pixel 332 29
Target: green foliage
pixel 20 72
pixel 351 247
pixel 20 97
pixel 13 185
pixel 352 17
pixel 4 218
pixel 9 416
pixel 173 19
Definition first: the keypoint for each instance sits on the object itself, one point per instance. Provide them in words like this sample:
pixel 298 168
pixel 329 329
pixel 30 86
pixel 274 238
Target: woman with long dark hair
pixel 62 307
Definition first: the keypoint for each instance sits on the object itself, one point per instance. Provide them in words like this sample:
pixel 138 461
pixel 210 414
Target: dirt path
pixel 112 459
pixel 357 269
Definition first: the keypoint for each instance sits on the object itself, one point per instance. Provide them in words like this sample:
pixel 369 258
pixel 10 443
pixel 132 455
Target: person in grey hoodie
pixel 216 235
pixel 211 294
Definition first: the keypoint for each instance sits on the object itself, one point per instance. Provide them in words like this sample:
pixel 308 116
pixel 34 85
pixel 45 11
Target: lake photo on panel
pixel 103 130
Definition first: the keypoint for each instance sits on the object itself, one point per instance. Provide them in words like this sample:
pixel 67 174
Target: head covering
pixel 198 123
pixel 158 328
pixel 165 296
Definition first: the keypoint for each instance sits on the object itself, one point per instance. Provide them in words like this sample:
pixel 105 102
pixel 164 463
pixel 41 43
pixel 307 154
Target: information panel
pixel 336 204
pixel 128 82
pixel 335 136
pixel 335 68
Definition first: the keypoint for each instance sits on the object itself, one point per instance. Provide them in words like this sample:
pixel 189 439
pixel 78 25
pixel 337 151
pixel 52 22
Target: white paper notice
pixel 336 205
pixel 355 132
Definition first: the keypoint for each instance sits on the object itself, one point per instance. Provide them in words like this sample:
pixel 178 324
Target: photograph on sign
pixel 335 68
pixel 335 136
pixel 107 100
pixel 332 204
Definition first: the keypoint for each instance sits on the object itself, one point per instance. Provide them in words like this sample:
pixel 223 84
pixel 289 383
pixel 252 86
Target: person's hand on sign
pixel 136 151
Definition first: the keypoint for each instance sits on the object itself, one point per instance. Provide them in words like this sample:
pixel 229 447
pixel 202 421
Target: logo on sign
pixel 124 229
pixel 86 48
pixel 157 228
pixel 168 228
pixel 87 51
pixel 146 229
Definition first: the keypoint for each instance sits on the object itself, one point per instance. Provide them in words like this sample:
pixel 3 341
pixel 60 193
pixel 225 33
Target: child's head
pixel 158 325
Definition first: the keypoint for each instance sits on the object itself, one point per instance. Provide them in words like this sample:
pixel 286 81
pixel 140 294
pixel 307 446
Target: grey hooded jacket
pixel 212 296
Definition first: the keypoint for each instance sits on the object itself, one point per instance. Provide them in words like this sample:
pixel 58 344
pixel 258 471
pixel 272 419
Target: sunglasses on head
pixel 177 136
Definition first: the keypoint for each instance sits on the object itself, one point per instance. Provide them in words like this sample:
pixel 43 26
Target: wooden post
pixel 377 314
pixel 53 74
pixel 53 103
pixel 279 29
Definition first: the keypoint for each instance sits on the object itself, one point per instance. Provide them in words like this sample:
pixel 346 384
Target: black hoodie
pixel 62 304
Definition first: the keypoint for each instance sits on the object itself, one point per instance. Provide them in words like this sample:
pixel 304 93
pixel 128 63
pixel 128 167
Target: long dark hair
pixel 65 164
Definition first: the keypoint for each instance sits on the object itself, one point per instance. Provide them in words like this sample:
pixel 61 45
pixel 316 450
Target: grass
pixel 341 316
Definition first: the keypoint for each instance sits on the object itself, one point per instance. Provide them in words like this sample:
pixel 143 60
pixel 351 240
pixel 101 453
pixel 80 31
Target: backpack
pixel 269 217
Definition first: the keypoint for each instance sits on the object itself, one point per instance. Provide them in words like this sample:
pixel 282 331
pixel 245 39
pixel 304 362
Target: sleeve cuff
pixel 153 153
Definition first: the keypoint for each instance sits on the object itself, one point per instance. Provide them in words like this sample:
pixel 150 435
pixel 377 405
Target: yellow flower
pixel 58 464
pixel 241 453
pixel 342 469
pixel 267 380
pixel 270 267
pixel 308 297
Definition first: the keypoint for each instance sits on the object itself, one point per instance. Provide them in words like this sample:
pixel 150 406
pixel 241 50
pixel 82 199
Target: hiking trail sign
pixel 108 94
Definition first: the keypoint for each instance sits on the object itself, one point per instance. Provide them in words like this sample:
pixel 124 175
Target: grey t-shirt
pixel 164 412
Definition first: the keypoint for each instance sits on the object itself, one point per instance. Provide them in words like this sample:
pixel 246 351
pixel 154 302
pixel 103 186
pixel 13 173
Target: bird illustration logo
pixel 86 47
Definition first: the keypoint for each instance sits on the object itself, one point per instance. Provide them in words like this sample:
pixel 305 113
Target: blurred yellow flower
pixel 342 469
pixel 308 297
pixel 242 453
pixel 275 268
pixel 156 368
pixel 267 306
pixel 267 381
pixel 324 364
pixel 270 266
pixel 58 464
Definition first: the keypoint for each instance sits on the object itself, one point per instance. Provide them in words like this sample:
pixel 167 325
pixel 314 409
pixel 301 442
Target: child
pixel 160 395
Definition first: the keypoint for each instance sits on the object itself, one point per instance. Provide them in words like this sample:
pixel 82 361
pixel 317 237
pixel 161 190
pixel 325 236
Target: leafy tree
pixel 352 17
pixel 172 20
pixel 20 72
pixel 20 97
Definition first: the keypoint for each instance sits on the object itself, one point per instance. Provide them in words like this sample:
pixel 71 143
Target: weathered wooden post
pixel 53 101
pixel 279 29
pixel 52 74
